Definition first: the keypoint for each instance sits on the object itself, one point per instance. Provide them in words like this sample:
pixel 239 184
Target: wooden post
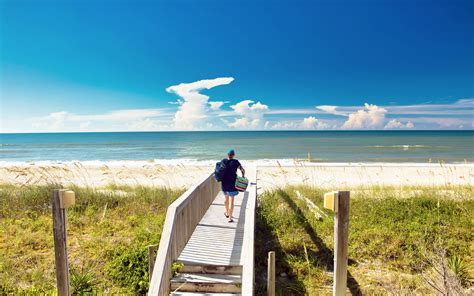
pixel 271 274
pixel 151 260
pixel 341 241
pixel 60 243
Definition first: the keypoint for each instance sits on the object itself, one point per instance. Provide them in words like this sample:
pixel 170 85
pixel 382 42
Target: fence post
pixel 271 274
pixel 151 260
pixel 61 199
pixel 341 241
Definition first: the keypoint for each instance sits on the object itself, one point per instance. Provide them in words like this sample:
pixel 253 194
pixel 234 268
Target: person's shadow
pixel 324 254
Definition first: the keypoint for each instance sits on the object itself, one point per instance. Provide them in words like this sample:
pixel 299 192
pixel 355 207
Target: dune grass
pixel 393 232
pixel 108 231
pixel 393 235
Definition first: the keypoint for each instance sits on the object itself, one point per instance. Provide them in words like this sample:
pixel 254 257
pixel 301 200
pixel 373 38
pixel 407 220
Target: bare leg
pixel 231 207
pixel 226 203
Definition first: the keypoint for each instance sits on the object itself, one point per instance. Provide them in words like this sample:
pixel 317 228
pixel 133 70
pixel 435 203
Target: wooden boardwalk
pixel 216 257
pixel 216 241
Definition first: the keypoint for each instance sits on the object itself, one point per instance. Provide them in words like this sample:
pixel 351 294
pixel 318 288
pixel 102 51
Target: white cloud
pixel 216 105
pixel 247 107
pixel 118 115
pixel 121 119
pixel 193 108
pixel 331 110
pixel 285 125
pixel 308 123
pixel 440 123
pixel 371 117
pixel 313 123
pixel 395 124
pixel 251 114
pixel 242 123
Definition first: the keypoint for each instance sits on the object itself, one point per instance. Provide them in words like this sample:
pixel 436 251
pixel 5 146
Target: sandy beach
pixel 271 173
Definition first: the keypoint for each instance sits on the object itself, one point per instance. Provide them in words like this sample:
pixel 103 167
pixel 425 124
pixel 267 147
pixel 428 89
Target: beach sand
pixel 271 173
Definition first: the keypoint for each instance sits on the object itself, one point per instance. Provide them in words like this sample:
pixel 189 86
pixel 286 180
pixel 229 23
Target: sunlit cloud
pixel 308 123
pixel 395 124
pixel 216 105
pixel 193 107
pixel 370 117
pixel 251 114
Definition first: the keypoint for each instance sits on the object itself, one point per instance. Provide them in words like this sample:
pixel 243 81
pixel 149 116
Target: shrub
pixel 129 268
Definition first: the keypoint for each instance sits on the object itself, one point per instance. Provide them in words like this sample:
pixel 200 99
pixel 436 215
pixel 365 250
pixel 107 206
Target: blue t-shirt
pixel 230 174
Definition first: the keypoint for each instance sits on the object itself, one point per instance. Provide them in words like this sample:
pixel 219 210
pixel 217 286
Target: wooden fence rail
pixel 182 217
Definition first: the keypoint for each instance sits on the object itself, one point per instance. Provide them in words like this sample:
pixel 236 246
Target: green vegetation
pixel 108 232
pixel 393 234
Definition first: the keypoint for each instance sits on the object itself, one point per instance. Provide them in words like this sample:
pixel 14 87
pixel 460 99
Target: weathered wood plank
pixel 60 243
pixel 341 242
pixel 206 283
pixel 151 259
pixel 248 273
pixel 212 269
pixel 271 274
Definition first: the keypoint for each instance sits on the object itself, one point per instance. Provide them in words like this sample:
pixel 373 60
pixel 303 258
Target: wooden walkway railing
pixel 182 217
pixel 197 235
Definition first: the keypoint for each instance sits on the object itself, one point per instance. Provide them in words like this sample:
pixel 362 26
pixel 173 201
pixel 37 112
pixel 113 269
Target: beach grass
pixel 396 236
pixel 108 232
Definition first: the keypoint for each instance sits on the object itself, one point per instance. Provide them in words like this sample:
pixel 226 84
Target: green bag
pixel 241 183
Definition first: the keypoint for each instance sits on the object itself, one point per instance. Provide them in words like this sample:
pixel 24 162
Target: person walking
pixel 228 182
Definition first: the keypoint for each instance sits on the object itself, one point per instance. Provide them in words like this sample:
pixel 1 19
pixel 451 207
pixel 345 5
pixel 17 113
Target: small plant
pixel 82 282
pixel 461 270
pixel 176 267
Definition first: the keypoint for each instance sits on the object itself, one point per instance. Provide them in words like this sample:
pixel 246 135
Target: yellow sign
pixel 67 199
pixel 330 200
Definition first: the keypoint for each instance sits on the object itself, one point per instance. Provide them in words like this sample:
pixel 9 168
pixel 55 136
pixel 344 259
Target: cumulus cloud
pixel 313 123
pixel 244 122
pixel 193 107
pixel 251 114
pixel 285 125
pixel 248 107
pixel 216 105
pixel 371 117
pixel 308 123
pixel 395 124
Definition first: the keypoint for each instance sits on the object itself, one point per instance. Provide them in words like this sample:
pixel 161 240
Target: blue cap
pixel 231 152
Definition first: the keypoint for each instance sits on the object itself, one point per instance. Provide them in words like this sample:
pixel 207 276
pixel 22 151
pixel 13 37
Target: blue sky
pixel 151 65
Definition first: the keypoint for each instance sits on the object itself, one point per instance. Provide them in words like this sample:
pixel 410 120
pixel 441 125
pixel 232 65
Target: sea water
pixel 323 146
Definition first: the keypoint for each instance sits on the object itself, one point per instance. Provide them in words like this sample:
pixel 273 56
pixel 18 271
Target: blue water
pixel 327 146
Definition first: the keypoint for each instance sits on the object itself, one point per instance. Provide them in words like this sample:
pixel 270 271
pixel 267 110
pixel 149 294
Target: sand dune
pixel 271 173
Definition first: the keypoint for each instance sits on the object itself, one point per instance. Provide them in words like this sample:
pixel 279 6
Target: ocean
pixel 324 146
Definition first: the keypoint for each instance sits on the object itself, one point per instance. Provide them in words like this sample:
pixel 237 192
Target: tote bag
pixel 241 183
